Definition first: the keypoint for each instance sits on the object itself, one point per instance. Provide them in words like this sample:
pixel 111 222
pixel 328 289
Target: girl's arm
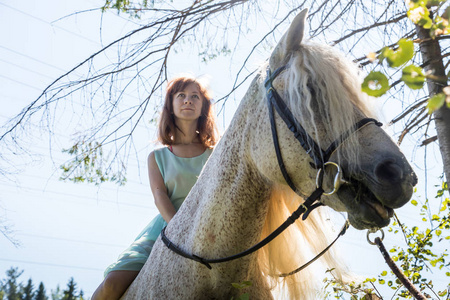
pixel 159 190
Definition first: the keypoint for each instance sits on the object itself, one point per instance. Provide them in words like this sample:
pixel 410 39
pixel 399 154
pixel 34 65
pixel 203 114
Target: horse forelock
pixel 323 90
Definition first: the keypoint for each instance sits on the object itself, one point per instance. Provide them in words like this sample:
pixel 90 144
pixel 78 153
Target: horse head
pixel 322 91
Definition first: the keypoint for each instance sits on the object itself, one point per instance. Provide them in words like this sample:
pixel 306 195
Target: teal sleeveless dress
pixel 179 174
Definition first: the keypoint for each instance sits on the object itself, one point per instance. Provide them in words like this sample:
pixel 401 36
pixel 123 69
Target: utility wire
pixel 21 83
pixel 49 23
pixel 114 190
pixel 26 69
pixel 30 189
pixel 53 238
pixel 32 58
pixel 50 264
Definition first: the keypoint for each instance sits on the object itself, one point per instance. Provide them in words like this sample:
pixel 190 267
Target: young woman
pixel 188 129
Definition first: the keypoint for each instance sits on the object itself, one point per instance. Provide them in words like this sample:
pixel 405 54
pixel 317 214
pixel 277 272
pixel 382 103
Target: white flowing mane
pixel 337 103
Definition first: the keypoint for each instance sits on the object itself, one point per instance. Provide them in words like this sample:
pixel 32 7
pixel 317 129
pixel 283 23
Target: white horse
pixel 242 195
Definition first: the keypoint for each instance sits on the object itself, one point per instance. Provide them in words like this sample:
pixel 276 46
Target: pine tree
pixel 71 290
pixel 12 288
pixel 2 290
pixel 27 291
pixel 57 294
pixel 40 293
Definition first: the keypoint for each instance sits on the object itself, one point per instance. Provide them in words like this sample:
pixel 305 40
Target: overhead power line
pixel 54 238
pixel 32 58
pixel 26 69
pixel 50 264
pixel 49 23
pixel 77 196
pixel 21 83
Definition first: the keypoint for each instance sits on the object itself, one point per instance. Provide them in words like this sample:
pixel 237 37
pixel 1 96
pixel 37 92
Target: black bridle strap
pixel 341 233
pixel 307 142
pixel 318 155
pixel 283 170
pixel 361 123
pixel 306 206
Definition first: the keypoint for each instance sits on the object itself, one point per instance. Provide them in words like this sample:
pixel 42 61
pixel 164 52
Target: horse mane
pixel 324 87
pixel 319 83
pixel 296 246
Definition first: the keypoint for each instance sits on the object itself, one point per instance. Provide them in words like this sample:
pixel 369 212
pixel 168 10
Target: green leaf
pixel 425 22
pixel 242 285
pixel 244 297
pixel 236 285
pixel 415 3
pixel 375 84
pixel 414 202
pixel 403 54
pixel 413 77
pixel 419 14
pixel 435 102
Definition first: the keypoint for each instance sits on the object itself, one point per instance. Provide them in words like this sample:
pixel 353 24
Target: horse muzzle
pixel 370 195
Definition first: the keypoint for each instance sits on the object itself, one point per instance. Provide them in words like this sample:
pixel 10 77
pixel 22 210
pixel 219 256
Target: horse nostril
pixel 388 171
pixel 414 179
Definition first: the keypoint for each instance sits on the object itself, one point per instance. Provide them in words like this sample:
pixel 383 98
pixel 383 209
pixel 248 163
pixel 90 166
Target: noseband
pixel 320 161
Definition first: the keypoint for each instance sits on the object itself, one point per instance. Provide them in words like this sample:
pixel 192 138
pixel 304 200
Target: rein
pixel 320 160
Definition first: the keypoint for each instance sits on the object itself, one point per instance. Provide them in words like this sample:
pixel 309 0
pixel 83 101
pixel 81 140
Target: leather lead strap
pixel 341 233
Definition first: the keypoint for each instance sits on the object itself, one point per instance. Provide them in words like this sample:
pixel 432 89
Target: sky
pixel 76 230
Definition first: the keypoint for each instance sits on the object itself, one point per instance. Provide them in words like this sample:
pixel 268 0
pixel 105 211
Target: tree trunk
pixel 432 58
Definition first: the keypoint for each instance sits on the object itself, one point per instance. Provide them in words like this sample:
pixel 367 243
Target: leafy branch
pixel 376 83
pixel 416 259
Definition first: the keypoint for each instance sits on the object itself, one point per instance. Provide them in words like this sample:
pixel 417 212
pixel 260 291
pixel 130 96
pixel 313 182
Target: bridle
pixel 320 161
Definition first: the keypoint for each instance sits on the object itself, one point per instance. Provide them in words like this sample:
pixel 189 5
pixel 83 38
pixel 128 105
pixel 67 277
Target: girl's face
pixel 187 104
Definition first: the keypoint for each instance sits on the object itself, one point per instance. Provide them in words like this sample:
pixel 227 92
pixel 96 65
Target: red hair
pixel 206 124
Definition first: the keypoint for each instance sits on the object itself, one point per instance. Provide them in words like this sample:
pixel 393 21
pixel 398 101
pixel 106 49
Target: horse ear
pixel 290 41
pixel 294 35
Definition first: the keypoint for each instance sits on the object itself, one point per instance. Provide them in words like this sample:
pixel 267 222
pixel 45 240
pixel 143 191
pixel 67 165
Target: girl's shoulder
pixel 160 150
pixel 167 153
pixel 158 154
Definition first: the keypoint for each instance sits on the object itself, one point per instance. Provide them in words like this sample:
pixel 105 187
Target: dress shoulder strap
pixel 162 158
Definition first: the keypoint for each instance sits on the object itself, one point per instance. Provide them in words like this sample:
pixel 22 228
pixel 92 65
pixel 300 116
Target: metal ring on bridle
pixel 374 231
pixel 338 179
